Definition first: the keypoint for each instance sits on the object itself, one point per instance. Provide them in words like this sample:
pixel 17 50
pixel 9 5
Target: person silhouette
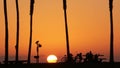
pixel 64 58
pixel 90 57
pixel 80 57
pixel 71 58
pixel 96 58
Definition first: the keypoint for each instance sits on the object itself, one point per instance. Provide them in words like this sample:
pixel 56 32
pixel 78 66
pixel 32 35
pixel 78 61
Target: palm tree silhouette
pixel 30 40
pixel 6 32
pixel 17 34
pixel 66 28
pixel 111 31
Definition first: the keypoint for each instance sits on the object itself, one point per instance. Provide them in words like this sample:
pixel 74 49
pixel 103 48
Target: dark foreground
pixel 63 65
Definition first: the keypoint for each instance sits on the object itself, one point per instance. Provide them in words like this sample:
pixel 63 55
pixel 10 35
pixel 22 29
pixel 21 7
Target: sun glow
pixel 51 59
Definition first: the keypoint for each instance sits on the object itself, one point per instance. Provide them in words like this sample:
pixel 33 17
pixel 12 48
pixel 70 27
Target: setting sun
pixel 51 59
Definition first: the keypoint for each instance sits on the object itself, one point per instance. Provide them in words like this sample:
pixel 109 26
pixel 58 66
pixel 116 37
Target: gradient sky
pixel 88 25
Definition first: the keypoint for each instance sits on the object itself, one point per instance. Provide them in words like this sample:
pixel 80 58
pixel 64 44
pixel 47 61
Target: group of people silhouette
pixel 89 57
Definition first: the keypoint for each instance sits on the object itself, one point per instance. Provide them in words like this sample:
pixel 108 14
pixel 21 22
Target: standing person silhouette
pixel 80 57
pixel 90 57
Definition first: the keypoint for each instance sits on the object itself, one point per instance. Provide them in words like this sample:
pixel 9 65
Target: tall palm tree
pixel 30 40
pixel 17 34
pixel 6 32
pixel 111 31
pixel 66 28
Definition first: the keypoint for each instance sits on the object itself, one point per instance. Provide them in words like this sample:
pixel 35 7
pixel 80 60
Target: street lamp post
pixel 37 49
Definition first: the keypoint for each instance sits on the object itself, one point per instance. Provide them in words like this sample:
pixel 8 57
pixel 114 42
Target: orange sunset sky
pixel 88 26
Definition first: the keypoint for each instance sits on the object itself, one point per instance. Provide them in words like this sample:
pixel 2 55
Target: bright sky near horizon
pixel 88 25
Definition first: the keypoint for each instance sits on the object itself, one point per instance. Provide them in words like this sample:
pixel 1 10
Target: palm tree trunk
pixel 30 40
pixel 6 33
pixel 66 29
pixel 17 36
pixel 111 32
